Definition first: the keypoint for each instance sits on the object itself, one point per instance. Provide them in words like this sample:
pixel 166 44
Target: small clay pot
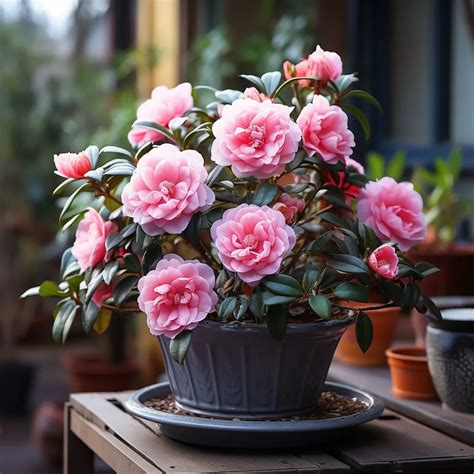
pixel 410 375
pixel 93 373
pixel 384 322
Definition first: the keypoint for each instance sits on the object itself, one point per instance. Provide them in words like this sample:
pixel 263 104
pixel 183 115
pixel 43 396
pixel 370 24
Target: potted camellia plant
pixel 244 234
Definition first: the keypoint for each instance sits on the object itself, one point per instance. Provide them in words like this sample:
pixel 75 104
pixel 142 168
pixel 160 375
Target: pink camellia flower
pixel 72 165
pixel 384 261
pixel 256 138
pixel 176 295
pixel 252 241
pixel 323 64
pixel 165 104
pixel 102 293
pixel 91 234
pixel 289 207
pixel 166 189
pixel 325 130
pixel 252 93
pixel 393 210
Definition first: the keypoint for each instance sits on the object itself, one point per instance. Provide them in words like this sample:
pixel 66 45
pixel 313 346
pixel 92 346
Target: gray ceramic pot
pixel 239 370
pixel 450 350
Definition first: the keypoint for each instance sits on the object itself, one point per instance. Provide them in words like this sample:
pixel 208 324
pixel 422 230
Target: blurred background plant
pixel 445 209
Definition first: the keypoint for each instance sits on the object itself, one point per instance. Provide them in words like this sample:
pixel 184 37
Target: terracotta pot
pixel 384 322
pixel 47 431
pixel 455 261
pixel 410 375
pixel 93 373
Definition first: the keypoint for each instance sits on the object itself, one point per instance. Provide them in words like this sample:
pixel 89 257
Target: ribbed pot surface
pixel 239 370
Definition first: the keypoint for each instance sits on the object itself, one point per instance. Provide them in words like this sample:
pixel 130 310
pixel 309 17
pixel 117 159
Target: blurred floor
pixel 18 453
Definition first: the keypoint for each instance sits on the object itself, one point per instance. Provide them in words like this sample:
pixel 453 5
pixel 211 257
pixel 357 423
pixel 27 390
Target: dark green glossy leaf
pixel 227 307
pixel 271 299
pixel 321 306
pixel 271 80
pixel 265 194
pixel 426 268
pixel 360 94
pixel 310 277
pixel 63 320
pixel 256 305
pixel 151 257
pixel 155 127
pixel 277 321
pixel 360 117
pixel 123 289
pixel 179 346
pixel 348 264
pixel 114 239
pixel 282 284
pixel 90 313
pixel 132 263
pixel 110 271
pixel 352 291
pixel 71 198
pixel 364 331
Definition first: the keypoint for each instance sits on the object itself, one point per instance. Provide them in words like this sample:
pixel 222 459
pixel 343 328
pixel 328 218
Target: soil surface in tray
pixel 330 405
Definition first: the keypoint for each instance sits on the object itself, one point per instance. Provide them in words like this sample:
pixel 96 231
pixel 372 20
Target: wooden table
pixel 95 423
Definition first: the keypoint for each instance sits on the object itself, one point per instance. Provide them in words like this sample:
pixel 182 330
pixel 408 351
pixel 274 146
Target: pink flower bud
pixel 384 261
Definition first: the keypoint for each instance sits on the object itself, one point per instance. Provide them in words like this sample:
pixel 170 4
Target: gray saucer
pixel 252 434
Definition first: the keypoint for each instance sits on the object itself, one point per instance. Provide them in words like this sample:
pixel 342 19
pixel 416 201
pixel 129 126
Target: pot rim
pixel 395 352
pixel 292 327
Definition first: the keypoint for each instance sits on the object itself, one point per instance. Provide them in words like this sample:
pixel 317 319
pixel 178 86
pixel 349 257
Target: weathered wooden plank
pixel 169 455
pixel 376 380
pixel 394 442
pixel 111 450
pixel 78 457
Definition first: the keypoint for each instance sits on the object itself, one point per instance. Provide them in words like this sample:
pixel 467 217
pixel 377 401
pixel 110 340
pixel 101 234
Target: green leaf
pixel 352 291
pixel 115 149
pixel 310 277
pixel 63 320
pixel 432 307
pixel 71 198
pixel 393 291
pixel 214 174
pixel 426 268
pixel 151 257
pixel 155 127
pixel 376 165
pixel 227 96
pixel 360 117
pixel 271 299
pixel 360 94
pixel 256 305
pixel 396 167
pixel 364 331
pixel 90 312
pixel 242 307
pixel 128 230
pixel 123 289
pixel 62 186
pixel 265 194
pixel 321 306
pixel 348 264
pixel 93 284
pixel 179 346
pixel 49 288
pixel 277 321
pixel 132 263
pixel 410 296
pixel 31 292
pixel 284 285
pixel 270 81
pixel 455 162
pixel 93 154
pixel 344 81
pixel 96 174
pixel 110 271
pixel 103 320
pixel 256 81
pixel 227 307
pixel 114 239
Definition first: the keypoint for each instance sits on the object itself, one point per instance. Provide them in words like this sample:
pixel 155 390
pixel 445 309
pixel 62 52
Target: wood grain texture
pixel 172 456
pixel 376 380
